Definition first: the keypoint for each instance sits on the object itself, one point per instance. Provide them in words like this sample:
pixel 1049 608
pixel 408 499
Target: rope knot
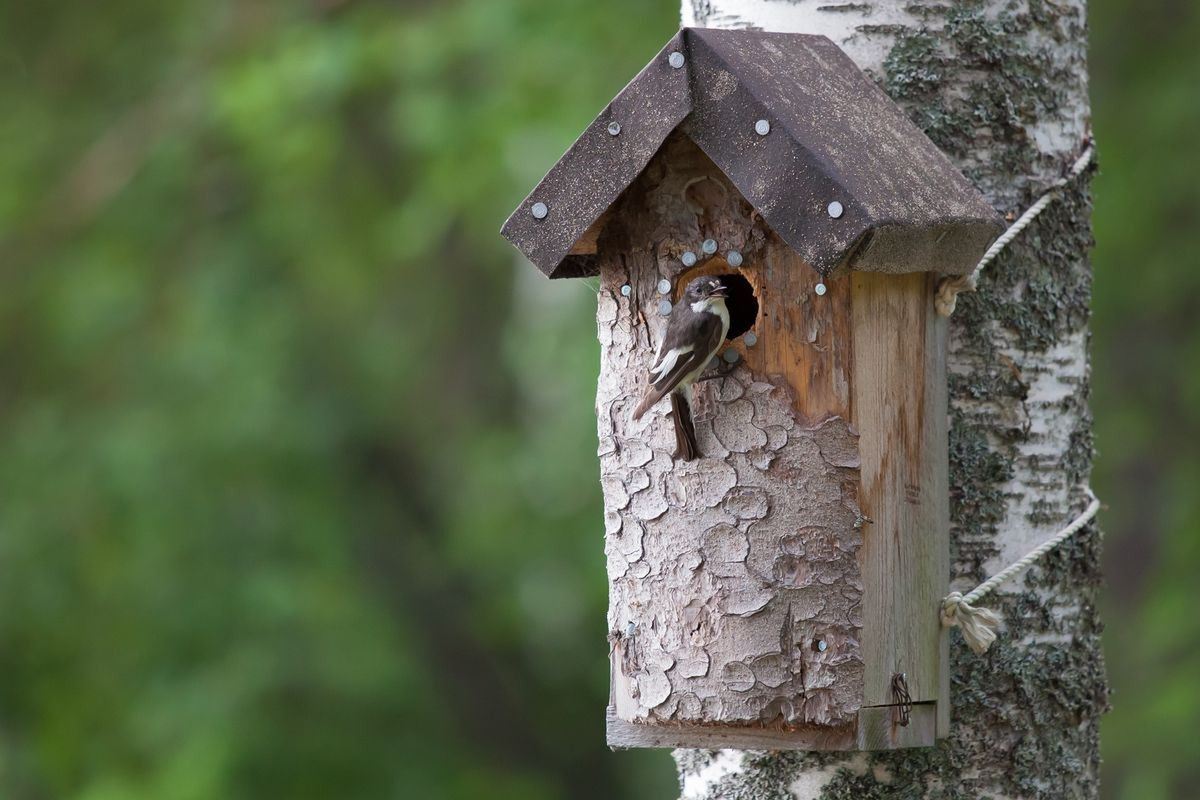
pixel 948 289
pixel 978 625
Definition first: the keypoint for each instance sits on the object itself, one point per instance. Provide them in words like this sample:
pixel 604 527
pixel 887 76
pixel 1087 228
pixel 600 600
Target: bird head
pixel 706 287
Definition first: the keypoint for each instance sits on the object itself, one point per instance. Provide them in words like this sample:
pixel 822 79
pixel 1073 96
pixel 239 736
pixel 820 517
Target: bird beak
pixel 720 291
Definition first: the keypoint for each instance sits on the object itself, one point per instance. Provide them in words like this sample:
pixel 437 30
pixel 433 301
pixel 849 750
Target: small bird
pixel 698 325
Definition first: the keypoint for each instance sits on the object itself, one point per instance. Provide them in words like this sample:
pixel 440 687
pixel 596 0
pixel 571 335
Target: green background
pixel 298 458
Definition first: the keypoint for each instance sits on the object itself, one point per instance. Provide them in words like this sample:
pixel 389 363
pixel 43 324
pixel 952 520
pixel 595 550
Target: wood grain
pixel 622 734
pixel 802 336
pixel 878 728
pixel 899 409
pixel 588 241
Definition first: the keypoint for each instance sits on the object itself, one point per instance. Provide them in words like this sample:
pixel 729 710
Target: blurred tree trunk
pixel 1002 88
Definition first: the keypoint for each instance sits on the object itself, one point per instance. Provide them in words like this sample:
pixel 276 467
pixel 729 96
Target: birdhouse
pixel 781 589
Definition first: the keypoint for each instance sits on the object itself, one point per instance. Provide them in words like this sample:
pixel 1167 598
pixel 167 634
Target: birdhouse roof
pixel 830 162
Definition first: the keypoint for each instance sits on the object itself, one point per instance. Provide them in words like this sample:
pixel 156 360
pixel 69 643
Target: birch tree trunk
pixel 1001 87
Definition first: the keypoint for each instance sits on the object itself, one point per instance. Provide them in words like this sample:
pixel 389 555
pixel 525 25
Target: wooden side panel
pixel 899 408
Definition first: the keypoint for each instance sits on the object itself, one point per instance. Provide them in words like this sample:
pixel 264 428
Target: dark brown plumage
pixel 695 331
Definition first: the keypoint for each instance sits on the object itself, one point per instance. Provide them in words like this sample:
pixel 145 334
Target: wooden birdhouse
pixel 780 591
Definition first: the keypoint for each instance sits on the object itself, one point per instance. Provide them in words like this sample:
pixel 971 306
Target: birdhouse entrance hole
pixel 742 304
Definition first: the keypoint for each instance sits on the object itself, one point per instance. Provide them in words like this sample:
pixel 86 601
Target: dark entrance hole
pixel 742 304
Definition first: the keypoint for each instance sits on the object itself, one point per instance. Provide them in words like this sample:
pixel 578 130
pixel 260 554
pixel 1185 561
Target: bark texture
pixel 757 619
pixel 1001 87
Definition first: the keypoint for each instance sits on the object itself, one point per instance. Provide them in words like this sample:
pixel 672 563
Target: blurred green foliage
pixel 299 459
pixel 300 497
pixel 1146 388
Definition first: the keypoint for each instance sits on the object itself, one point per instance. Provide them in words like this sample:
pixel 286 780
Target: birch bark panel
pixel 900 411
pixel 735 596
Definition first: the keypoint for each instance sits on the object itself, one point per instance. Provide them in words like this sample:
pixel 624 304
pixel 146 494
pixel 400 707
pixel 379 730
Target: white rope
pixel 948 288
pixel 979 625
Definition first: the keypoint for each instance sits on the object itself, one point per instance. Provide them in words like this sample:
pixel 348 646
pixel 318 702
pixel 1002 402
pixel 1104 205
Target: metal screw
pixel 675 59
pixel 835 209
pixel 630 629
pixel 614 128
pixel 715 362
pixel 750 339
pixel 539 210
pixel 734 258
pixel 731 356
pixel 822 645
pixel 664 286
pixel 664 307
pixel 762 127
pixel 688 259
pixel 820 289
pixel 709 247
pixel 626 290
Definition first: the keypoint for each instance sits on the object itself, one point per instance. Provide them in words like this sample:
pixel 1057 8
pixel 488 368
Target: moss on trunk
pixel 986 80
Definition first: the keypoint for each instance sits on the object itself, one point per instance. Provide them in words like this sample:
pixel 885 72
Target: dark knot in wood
pixel 901 700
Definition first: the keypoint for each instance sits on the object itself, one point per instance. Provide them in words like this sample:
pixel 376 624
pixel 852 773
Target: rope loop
pixel 979 625
pixel 948 288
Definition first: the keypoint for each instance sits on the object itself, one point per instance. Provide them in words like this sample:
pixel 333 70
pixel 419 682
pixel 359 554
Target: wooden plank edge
pixel 879 730
pixel 943 703
pixel 624 735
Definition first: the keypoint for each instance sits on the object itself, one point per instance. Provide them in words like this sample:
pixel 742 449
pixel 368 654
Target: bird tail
pixel 686 447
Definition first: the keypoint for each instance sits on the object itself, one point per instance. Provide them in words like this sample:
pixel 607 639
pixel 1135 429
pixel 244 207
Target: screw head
pixel 734 258
pixel 664 286
pixel 630 628
pixel 614 128
pixel 822 645
pixel 820 290
pixel 762 127
pixel 539 210
pixel 626 290
pixel 688 259
pixel 750 339
pixel 664 307
pixel 709 247
pixel 835 209
pixel 675 59
pixel 731 356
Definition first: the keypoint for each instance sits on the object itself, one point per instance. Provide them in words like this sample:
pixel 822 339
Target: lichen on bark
pixel 1001 87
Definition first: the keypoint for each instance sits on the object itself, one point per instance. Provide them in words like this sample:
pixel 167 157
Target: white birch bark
pixel 1002 89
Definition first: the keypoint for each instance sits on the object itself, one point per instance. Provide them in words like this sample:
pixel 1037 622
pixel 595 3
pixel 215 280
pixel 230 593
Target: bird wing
pixel 682 352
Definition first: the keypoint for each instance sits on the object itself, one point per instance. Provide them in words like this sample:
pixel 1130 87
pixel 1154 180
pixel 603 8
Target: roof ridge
pixel 844 176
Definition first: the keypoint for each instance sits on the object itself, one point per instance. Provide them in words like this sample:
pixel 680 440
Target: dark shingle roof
pixel 834 136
